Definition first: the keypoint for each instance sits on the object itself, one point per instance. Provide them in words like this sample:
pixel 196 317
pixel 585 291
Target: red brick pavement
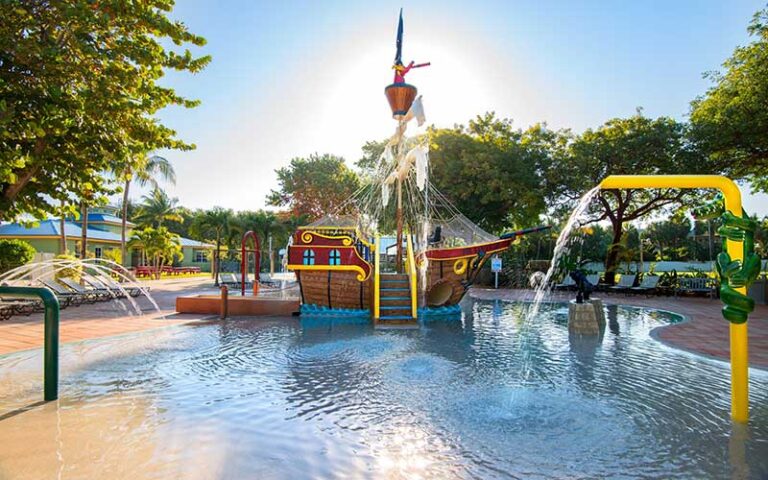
pixel 105 319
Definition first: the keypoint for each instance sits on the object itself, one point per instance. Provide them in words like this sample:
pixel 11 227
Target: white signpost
pixel 496 268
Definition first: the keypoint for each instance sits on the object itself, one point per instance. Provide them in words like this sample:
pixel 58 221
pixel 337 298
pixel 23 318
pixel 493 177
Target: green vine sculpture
pixel 734 273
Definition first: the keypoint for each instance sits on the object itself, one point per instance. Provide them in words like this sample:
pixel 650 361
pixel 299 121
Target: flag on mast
pixel 399 42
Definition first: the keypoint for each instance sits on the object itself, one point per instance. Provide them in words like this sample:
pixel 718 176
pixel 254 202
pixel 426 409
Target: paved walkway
pixel 105 319
pixel 705 332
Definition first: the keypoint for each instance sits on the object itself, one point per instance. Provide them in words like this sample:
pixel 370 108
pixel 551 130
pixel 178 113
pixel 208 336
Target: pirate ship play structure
pixel 339 261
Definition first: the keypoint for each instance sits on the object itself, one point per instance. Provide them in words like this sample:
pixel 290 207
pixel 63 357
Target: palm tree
pixel 143 173
pixel 158 207
pixel 62 233
pixel 214 223
pixel 159 245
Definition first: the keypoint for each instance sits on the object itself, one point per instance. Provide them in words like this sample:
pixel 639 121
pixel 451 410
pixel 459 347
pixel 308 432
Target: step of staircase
pixel 395 300
pixel 396 319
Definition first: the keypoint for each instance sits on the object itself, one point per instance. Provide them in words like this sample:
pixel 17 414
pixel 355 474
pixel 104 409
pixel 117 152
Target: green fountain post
pixel 51 342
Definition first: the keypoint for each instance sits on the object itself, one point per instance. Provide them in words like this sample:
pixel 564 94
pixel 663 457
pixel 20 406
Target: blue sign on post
pixel 495 268
pixel 496 264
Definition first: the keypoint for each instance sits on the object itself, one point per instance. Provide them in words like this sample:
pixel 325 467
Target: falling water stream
pixel 562 247
pixel 31 274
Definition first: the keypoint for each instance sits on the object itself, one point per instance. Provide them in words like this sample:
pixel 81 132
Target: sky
pixel 293 78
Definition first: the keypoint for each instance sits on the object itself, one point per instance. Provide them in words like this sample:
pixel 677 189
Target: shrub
pixel 14 253
pixel 114 255
pixel 69 272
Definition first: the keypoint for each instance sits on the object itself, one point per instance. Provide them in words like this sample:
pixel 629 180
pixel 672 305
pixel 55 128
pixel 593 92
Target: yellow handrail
pixel 376 279
pixel 410 266
pixel 738 332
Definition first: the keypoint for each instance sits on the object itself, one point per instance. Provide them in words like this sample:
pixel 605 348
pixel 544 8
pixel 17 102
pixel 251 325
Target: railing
pixel 410 267
pixel 51 335
pixel 376 278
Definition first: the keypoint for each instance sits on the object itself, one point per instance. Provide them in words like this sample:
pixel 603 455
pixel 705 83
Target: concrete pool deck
pixel 705 332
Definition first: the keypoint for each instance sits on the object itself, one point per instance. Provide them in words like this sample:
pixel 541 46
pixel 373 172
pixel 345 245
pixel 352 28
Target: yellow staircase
pixel 395 299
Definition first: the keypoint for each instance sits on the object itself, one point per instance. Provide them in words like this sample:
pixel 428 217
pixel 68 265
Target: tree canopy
pixel 634 145
pixel 492 171
pixel 78 93
pixel 314 186
pixel 731 119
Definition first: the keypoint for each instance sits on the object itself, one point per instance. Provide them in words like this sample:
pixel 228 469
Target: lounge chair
pixel 266 280
pixel 228 279
pixel 108 282
pixel 695 286
pixel 22 306
pixel 10 307
pixel 625 283
pixel 99 285
pixel 239 280
pixel 65 295
pixel 92 295
pixel 648 286
pixel 568 283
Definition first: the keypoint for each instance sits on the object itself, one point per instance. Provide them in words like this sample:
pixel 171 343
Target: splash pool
pixel 483 397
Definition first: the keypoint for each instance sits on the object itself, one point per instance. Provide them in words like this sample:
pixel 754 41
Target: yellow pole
pixel 376 279
pixel 738 332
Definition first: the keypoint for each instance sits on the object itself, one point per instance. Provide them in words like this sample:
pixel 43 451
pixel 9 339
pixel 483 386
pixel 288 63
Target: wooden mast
pixel 399 257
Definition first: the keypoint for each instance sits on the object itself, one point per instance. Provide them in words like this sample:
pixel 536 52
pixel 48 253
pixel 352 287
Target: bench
pixel 696 286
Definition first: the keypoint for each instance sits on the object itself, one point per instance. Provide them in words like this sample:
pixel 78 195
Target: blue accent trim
pixel 327 322
pixel 395 298
pixel 395 290
pixel 394 307
pixel 397 317
pixel 448 310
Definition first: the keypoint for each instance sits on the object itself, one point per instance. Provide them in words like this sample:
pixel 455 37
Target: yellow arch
pixel 738 332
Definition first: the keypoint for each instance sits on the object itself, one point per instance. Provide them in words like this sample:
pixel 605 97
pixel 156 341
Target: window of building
pixel 97 252
pixel 309 257
pixel 334 258
pixel 200 256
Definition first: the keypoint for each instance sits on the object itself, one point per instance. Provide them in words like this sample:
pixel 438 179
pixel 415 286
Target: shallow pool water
pixel 486 396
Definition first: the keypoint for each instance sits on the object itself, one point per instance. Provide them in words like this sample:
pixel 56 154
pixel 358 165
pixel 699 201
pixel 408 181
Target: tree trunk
pixel 612 258
pixel 83 230
pixel 123 226
pixel 217 263
pixel 63 233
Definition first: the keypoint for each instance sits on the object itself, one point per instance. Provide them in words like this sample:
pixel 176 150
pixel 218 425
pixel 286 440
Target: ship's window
pixel 334 258
pixel 309 257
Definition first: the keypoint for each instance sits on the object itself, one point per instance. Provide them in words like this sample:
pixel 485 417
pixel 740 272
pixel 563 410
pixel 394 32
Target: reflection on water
pixel 486 396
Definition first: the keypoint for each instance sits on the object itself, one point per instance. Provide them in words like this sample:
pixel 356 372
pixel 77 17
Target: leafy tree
pixel 15 253
pixel 213 225
pixel 314 186
pixel 634 145
pixel 146 170
pixel 78 94
pixel 372 151
pixel 671 239
pixel 594 243
pixel 181 225
pixel 493 172
pixel 157 208
pixel 159 245
pixel 731 119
